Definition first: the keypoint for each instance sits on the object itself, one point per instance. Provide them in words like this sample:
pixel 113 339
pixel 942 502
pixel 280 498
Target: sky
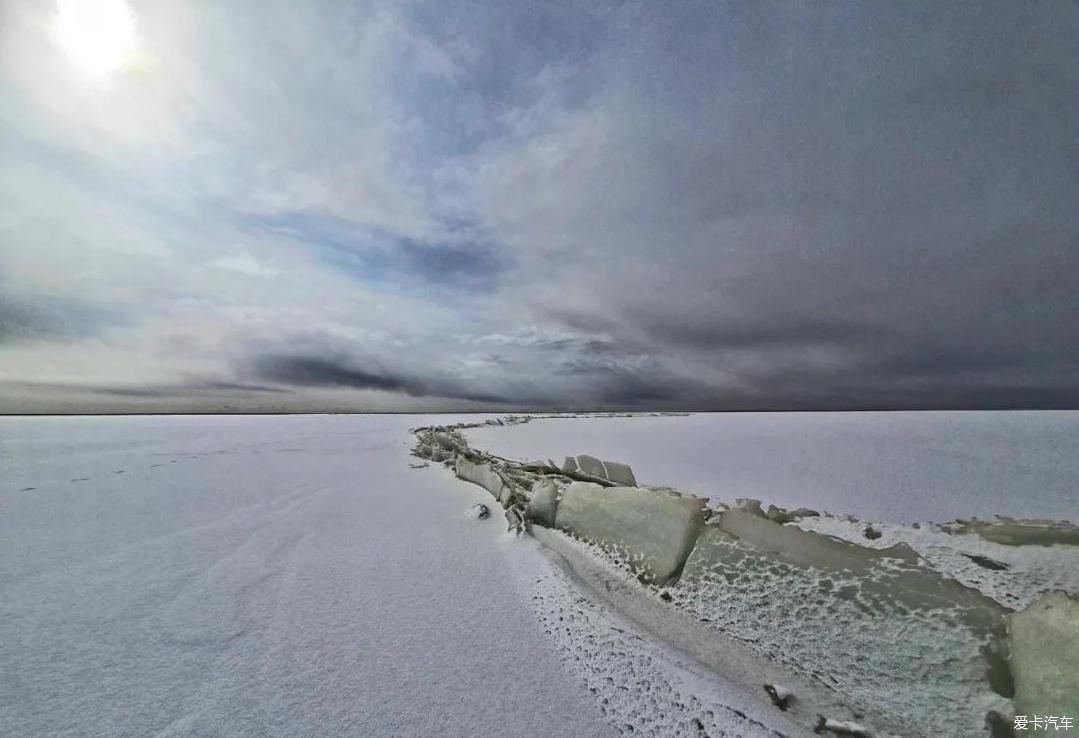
pixel 405 206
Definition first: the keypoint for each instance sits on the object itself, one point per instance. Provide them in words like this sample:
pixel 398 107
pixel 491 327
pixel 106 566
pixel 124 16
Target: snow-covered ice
pixel 643 686
pixel 901 642
pixel 897 467
pixel 1045 656
pixel 1020 575
pixel 303 576
pixel 898 642
pixel 270 576
pixel 658 529
pixel 298 576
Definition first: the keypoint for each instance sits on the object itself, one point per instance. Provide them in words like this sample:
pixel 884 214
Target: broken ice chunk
pixel 478 512
pixel 612 471
pixel 841 727
pixel 483 475
pixel 1045 655
pixel 543 503
pixel 781 696
pixel 656 530
pixel 1028 532
pixel 750 505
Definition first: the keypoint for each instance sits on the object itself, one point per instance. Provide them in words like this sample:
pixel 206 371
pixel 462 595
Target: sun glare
pixel 98 35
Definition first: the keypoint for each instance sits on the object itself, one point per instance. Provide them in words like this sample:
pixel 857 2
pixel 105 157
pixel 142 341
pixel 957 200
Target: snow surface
pixel 898 467
pixel 898 668
pixel 292 575
pixel 1030 570
pixel 905 666
pixel 295 576
pixel 897 657
pixel 643 687
pixel 270 576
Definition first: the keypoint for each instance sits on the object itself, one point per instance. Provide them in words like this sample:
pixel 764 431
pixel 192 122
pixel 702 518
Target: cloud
pixel 748 333
pixel 455 261
pixel 320 370
pixel 211 388
pixel 243 264
pixel 703 205
pixel 49 318
pixel 537 337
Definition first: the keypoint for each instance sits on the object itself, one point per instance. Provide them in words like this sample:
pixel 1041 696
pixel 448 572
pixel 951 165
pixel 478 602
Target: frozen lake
pixel 292 576
pixel 259 576
pixel 875 465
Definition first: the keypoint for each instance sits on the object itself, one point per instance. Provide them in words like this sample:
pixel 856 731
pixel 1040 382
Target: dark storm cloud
pixel 917 379
pixel 711 332
pixel 612 378
pixel 321 370
pixel 935 363
pixel 620 388
pixel 844 205
pixel 189 389
pixel 692 205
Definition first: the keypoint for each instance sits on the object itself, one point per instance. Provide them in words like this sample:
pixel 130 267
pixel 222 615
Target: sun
pixel 98 35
